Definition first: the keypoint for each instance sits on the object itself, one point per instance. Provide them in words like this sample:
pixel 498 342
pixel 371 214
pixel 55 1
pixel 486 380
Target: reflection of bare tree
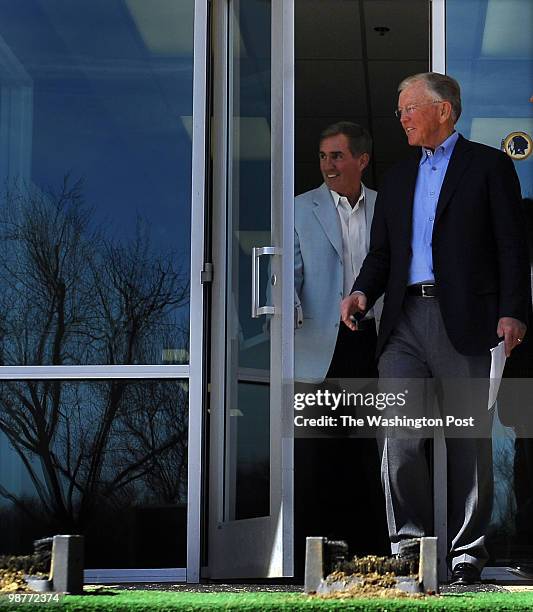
pixel 71 296
pixel 46 287
pixel 504 507
pixel 84 445
pixel 157 436
pixel 135 292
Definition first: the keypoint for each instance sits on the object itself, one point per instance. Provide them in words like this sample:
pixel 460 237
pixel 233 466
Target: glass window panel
pixel 511 532
pixel 489 50
pixel 95 181
pixel 106 459
pixel 247 475
pixel 251 447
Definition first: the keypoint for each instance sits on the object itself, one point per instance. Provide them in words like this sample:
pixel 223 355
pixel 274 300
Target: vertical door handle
pixel 257 310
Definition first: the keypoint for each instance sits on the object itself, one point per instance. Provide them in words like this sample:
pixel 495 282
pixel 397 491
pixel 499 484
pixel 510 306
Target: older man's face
pixel 422 119
pixel 340 169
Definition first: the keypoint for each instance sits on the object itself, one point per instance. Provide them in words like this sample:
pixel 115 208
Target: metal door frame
pixel 440 486
pixel 194 372
pixel 264 543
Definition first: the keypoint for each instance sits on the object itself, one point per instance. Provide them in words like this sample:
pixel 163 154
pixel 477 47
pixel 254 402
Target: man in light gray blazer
pixel 332 235
pixel 332 232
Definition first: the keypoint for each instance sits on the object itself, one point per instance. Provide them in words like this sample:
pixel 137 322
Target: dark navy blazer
pixel 479 246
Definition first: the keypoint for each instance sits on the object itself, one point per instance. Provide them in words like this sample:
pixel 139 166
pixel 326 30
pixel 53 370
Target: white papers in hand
pixel 497 363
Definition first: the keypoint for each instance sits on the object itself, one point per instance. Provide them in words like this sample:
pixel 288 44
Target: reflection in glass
pixel 107 459
pixel 490 53
pixel 511 532
pixel 95 181
pixel 502 522
pixel 250 450
pixel 248 226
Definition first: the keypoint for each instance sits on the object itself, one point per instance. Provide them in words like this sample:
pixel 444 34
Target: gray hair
pixel 442 86
pixel 359 140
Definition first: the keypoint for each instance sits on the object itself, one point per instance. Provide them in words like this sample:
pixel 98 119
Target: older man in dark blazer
pixel 448 249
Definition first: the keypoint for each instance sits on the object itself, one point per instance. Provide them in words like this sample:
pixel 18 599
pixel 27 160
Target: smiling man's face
pixel 340 169
pixel 428 123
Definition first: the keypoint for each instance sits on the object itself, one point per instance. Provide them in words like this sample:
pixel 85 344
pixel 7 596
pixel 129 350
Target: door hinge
pixel 207 273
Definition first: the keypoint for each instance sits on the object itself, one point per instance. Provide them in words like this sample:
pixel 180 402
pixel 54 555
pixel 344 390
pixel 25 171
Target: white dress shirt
pixel 354 241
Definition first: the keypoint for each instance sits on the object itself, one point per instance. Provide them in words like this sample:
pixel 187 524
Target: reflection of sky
pixel 107 109
pixel 490 52
pixel 250 199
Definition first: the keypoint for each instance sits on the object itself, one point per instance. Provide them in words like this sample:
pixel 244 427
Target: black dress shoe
pixel 465 573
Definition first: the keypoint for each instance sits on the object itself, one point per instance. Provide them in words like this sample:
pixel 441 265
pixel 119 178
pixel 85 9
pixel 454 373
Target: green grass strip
pixel 158 601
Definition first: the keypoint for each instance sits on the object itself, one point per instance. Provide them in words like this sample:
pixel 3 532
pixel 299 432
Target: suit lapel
pixel 404 216
pixel 459 161
pixel 327 216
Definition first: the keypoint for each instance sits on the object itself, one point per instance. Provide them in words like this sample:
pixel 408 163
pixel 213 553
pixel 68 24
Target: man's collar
pixel 336 197
pixel 446 148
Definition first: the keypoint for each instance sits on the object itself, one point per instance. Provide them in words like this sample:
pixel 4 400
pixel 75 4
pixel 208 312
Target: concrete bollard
pixel 67 564
pixel 427 572
pixel 314 564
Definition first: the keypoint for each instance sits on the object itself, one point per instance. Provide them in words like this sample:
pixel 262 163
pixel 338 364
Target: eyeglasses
pixel 409 110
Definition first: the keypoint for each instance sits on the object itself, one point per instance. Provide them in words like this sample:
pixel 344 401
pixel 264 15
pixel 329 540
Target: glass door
pixel 494 65
pixel 480 44
pixel 250 502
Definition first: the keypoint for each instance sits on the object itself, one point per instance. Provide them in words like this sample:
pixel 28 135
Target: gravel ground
pixel 211 587
pixel 218 587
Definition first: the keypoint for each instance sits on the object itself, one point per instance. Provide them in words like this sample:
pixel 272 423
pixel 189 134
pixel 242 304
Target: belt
pixel 426 290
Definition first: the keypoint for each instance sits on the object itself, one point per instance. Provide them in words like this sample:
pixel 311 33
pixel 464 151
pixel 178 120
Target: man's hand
pixel 512 331
pixel 356 302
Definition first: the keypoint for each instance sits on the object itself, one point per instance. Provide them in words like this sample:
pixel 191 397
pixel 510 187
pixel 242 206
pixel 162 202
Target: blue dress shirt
pixel 431 172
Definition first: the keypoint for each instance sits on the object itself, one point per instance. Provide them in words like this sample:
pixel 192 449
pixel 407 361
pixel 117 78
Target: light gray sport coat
pixel 319 279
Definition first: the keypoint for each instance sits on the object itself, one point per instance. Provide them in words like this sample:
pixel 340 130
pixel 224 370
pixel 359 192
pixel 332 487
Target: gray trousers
pixel 418 348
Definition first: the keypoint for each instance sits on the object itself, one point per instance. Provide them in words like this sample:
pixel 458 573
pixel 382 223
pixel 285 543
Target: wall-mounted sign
pixel 518 145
